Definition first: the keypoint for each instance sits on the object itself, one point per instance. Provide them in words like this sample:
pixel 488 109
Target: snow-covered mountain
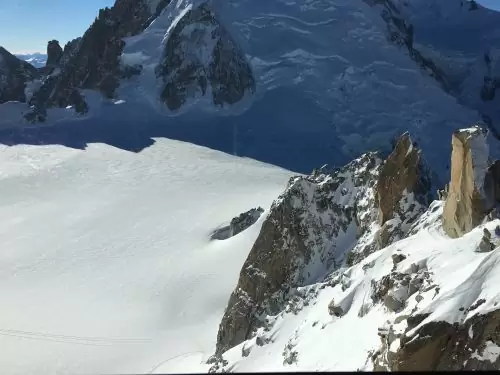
pixel 38 60
pixel 178 257
pixel 297 79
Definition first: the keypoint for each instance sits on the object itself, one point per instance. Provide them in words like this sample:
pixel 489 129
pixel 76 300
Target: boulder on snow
pixel 245 220
pixel 238 224
pixel 397 258
pixel 473 188
pixel 485 246
pixel 335 310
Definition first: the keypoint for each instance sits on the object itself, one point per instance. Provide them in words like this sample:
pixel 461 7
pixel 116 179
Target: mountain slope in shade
pixel 456 41
pixel 328 80
pixel 15 75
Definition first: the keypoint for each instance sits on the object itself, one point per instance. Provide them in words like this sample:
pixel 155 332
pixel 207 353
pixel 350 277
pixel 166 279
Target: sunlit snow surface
pixel 106 264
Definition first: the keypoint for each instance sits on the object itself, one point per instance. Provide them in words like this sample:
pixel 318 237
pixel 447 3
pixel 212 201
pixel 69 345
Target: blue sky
pixel 27 25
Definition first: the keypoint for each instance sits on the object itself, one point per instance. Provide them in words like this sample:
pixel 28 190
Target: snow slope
pixel 106 264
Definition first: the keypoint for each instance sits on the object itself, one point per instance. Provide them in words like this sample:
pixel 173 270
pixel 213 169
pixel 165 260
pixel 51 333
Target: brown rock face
pixel 402 174
pixel 441 346
pixel 473 184
pixel 300 242
pixel 399 173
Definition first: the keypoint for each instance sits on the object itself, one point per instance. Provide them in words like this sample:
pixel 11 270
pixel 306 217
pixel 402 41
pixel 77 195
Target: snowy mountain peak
pixel 200 56
pixel 188 53
pixel 280 68
pixel 352 267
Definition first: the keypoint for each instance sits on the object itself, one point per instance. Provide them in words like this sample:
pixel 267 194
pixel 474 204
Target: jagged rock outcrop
pixel 92 62
pixel 199 54
pixel 472 192
pixel 335 310
pixel 238 224
pixel 300 240
pixel 441 346
pixel 199 57
pixel 14 75
pixel 402 190
pixel 309 223
pixel 485 245
pixel 54 54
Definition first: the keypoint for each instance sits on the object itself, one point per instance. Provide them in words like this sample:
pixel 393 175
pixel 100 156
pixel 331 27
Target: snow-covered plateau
pixel 245 186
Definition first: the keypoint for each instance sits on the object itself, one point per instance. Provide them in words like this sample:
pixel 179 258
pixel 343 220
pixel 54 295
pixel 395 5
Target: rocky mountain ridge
pixel 94 60
pixel 328 226
pixel 14 76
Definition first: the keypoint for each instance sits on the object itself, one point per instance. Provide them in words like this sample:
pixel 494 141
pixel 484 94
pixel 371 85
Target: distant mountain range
pixel 37 59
